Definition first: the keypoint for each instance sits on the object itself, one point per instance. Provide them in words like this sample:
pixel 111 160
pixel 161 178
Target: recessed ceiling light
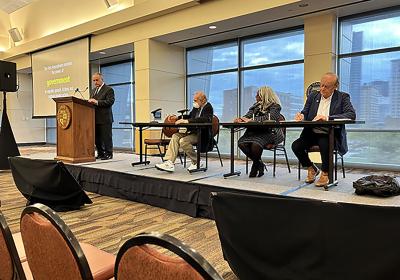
pixel 102 52
pixel 303 5
pixel 212 27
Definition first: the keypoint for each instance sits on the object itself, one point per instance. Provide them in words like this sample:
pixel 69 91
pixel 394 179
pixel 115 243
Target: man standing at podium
pixel 102 96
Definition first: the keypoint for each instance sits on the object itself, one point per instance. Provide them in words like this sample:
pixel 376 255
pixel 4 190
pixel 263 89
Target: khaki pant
pixel 184 141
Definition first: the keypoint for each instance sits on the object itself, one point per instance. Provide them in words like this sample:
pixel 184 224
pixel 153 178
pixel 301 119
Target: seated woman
pixel 267 107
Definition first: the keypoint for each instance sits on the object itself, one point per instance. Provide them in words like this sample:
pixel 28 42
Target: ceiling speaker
pixel 110 3
pixel 15 34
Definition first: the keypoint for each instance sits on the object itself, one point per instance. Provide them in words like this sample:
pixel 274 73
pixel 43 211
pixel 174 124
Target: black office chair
pixel 313 88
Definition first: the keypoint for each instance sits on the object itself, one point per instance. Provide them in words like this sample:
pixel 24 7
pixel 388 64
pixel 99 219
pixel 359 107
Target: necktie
pixel 96 91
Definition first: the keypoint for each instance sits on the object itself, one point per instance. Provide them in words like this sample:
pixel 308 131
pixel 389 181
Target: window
pixel 214 70
pixel 119 76
pixel 231 82
pixel 277 61
pixel 369 67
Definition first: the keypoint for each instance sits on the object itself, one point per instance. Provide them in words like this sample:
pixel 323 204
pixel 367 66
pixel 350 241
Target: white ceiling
pixel 269 20
pixel 10 6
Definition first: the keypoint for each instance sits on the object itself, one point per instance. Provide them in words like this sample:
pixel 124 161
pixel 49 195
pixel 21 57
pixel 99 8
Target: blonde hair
pixel 268 97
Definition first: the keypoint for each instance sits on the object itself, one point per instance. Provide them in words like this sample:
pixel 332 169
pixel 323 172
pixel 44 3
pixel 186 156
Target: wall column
pixel 319 52
pixel 159 82
pixel 319 47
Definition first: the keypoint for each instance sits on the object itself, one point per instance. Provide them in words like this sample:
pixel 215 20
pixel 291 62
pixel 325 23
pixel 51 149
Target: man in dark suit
pixel 327 104
pixel 202 113
pixel 102 96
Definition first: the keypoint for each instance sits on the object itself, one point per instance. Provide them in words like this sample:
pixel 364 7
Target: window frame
pixel 375 51
pixel 240 69
pixel 132 83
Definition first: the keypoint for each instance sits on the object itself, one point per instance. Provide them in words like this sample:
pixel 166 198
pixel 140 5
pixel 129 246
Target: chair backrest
pixel 169 131
pixel 10 265
pixel 137 260
pixel 297 238
pixel 315 86
pixel 50 246
pixel 282 118
pixel 215 127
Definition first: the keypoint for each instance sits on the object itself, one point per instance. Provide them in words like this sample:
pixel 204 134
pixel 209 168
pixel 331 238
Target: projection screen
pixel 58 72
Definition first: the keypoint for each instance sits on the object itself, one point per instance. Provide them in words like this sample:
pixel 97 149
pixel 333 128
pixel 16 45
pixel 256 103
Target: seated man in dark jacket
pixel 326 104
pixel 202 113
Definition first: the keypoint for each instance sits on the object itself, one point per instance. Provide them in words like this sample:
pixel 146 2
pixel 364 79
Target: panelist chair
pixel 137 260
pixel 162 142
pixel 278 149
pixel 53 251
pixel 215 134
pixel 156 143
pixel 312 88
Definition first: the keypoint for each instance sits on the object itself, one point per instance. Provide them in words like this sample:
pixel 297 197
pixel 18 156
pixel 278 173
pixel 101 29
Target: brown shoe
pixel 311 175
pixel 323 180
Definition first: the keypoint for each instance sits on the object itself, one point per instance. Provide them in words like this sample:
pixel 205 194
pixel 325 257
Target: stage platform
pixel 189 193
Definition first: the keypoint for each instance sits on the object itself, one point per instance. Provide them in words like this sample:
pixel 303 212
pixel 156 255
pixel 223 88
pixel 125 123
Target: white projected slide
pixel 58 72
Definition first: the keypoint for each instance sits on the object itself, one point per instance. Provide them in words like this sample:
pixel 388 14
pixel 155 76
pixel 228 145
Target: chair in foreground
pixel 10 263
pixel 54 253
pixel 137 260
pixel 279 237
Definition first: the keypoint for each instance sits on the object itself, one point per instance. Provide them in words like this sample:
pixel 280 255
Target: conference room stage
pixel 189 194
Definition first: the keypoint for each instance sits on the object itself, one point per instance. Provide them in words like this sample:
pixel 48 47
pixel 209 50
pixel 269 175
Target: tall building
pixel 356 70
pixel 368 106
pixel 395 88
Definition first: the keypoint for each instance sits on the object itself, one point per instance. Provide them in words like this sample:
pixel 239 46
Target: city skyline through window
pixel 274 60
pixel 369 67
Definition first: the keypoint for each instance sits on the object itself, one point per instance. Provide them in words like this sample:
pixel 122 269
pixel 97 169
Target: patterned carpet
pixel 109 222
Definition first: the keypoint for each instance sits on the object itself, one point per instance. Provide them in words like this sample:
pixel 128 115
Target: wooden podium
pixel 75 130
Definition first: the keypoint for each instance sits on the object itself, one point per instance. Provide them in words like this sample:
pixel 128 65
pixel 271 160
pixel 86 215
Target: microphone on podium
pixel 77 90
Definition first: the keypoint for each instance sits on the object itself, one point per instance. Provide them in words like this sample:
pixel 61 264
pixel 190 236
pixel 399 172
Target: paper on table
pixel 342 119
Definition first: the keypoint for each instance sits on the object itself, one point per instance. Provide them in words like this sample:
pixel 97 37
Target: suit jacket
pixel 103 111
pixel 341 108
pixel 206 116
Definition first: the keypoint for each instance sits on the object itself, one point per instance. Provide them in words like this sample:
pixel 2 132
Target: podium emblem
pixel 64 116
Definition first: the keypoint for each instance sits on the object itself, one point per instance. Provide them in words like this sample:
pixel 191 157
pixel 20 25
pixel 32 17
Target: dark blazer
pixel 206 116
pixel 103 110
pixel 341 108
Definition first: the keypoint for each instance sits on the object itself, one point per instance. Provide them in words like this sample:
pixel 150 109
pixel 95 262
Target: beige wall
pixel 4 26
pixel 46 25
pixel 319 47
pixel 159 80
pixel 45 17
pixel 19 110
pixel 319 51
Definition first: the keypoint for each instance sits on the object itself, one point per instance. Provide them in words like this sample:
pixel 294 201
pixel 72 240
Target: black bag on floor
pixel 377 185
